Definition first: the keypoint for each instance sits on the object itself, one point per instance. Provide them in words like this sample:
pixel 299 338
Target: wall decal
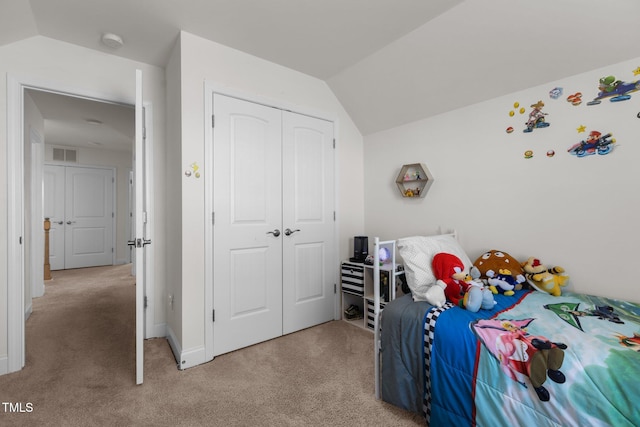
pixel 536 118
pixel 575 99
pixel 616 90
pixel 551 153
pixel 555 93
pixel 515 106
pixel 581 128
pixel 528 154
pixel 596 143
pixel 194 169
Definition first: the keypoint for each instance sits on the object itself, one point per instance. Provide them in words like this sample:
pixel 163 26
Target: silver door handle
pixel 59 222
pixel 275 232
pixel 139 243
pixel 289 232
pixel 70 222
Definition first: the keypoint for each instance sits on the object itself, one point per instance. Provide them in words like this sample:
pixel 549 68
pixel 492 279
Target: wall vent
pixel 65 155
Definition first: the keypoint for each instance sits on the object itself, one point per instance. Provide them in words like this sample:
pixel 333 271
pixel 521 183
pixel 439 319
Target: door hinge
pixel 144 217
pixel 213 121
pixel 213 315
pixel 145 302
pixel 113 215
pixel 334 143
pixel 335 288
pixel 213 218
pixel 334 216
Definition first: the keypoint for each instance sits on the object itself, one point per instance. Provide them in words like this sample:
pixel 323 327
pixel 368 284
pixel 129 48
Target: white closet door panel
pixel 247 203
pixel 53 208
pixel 308 211
pixel 89 217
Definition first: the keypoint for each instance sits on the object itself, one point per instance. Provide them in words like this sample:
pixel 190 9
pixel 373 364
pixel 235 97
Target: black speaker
pixel 360 248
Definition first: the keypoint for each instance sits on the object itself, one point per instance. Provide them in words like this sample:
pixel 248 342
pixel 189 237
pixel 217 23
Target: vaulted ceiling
pixel 389 62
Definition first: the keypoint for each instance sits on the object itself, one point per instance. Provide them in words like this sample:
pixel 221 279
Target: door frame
pixel 16 86
pixel 211 88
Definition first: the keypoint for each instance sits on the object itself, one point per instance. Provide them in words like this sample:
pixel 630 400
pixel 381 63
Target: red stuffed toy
pixel 449 269
pixel 459 287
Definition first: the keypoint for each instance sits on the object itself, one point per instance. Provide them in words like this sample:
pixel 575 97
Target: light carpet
pixel 80 370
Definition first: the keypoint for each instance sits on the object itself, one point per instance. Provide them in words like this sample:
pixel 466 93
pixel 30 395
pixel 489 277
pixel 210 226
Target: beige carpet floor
pixel 80 370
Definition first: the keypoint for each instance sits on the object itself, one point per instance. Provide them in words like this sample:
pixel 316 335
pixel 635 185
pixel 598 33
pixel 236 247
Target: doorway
pixel 21 221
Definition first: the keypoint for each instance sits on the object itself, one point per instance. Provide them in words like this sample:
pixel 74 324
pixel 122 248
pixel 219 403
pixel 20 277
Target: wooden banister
pixel 47 266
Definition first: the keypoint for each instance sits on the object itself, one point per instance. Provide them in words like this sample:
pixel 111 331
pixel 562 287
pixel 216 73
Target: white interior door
pixel 308 221
pixel 247 232
pixel 53 177
pixel 79 203
pixel 89 217
pixel 140 241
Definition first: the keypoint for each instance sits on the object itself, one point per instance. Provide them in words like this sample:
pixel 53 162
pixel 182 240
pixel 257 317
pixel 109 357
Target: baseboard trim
pixel 173 343
pixel 185 358
pixel 28 311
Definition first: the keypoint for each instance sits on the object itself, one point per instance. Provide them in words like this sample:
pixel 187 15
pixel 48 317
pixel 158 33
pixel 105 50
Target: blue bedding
pixel 534 359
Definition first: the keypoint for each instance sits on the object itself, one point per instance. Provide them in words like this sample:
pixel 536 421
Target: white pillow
pixel 417 253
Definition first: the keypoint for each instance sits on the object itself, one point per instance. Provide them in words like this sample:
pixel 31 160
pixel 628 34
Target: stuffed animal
pixel 495 260
pixel 545 279
pixel 504 282
pixel 459 287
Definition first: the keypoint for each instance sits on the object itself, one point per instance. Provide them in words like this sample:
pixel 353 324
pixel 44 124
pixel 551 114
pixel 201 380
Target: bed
pixel 456 367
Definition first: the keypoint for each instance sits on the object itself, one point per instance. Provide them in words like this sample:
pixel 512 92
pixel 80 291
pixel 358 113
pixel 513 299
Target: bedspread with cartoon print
pixel 534 360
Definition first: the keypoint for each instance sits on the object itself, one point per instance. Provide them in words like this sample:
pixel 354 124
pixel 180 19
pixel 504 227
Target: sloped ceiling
pixel 389 62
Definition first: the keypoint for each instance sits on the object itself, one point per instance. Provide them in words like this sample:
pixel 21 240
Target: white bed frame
pixel 376 301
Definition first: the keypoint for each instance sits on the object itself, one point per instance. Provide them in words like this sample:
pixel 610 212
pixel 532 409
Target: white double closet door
pixel 274 222
pixel 79 203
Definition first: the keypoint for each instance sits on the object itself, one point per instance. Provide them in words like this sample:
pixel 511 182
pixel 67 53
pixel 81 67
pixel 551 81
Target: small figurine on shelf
pixel 416 192
pixel 408 193
pixel 417 174
pixel 407 177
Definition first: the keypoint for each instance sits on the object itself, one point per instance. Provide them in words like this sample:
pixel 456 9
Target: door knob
pixel 275 232
pixel 59 222
pixel 70 222
pixel 289 232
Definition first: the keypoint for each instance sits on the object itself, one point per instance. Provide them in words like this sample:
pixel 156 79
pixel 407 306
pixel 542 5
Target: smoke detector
pixel 114 41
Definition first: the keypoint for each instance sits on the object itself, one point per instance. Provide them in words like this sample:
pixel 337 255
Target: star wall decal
pixel 636 71
pixel 581 128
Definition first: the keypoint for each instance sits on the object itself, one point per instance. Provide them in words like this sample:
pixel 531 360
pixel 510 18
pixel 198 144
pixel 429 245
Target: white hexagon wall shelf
pixel 414 180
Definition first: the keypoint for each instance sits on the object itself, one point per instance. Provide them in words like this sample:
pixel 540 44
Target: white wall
pixel 580 213
pixel 75 69
pixel 202 60
pixel 33 122
pixel 173 190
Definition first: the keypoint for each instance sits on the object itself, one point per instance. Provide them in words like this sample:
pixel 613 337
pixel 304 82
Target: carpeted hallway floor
pixel 80 370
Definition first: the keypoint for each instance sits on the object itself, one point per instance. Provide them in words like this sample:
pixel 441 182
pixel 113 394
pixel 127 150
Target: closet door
pixel 308 218
pixel 247 230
